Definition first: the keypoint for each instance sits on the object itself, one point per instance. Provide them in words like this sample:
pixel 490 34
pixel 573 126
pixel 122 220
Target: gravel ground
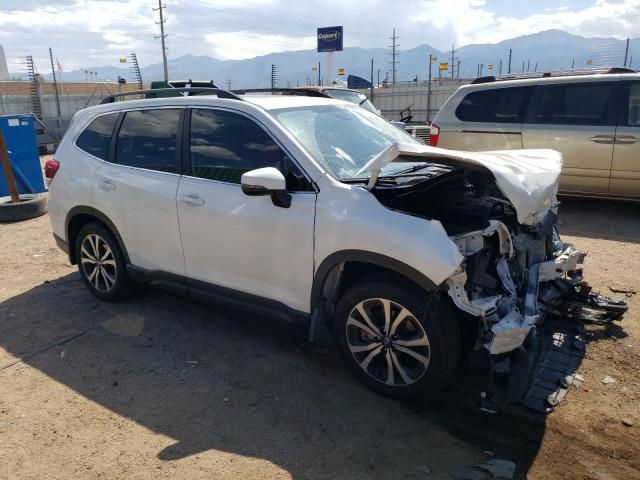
pixel 157 387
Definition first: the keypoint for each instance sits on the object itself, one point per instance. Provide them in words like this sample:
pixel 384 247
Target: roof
pixel 270 102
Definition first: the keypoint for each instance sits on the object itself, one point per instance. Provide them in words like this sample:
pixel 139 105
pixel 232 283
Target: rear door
pixel 578 119
pixel 489 119
pixel 625 169
pixel 136 188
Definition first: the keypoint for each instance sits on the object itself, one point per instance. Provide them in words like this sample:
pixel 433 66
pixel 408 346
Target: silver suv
pixel 592 119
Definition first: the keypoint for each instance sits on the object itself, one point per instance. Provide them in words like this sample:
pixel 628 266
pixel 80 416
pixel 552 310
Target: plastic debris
pixel 426 469
pixel 607 380
pixel 499 468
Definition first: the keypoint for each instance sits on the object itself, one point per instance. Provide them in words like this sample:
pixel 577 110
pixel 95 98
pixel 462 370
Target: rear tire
pixel 407 345
pixel 101 263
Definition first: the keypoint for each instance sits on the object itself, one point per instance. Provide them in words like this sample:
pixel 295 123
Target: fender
pixel 92 212
pixel 363 256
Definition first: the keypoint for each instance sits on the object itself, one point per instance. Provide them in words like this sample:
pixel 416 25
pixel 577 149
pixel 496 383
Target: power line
pixel 162 37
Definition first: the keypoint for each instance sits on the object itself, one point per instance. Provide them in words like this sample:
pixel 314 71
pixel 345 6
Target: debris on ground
pixel 576 380
pixel 499 468
pixel 465 473
pixel 426 469
pixel 628 291
pixel 607 380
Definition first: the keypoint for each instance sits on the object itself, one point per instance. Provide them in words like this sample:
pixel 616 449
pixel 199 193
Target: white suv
pixel 317 211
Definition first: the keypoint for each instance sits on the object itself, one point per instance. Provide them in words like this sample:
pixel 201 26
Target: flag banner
pixel 314 68
pixel 490 67
pixel 341 71
pixel 123 59
pixel 444 66
pixel 434 59
pixel 589 62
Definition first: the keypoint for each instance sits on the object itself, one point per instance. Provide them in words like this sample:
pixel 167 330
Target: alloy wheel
pixel 98 263
pixel 388 342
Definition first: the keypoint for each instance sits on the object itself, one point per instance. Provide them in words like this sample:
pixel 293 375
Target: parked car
pixel 592 119
pixel 320 212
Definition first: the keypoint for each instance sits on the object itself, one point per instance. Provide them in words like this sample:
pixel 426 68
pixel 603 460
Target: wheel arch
pixel 81 215
pixel 339 270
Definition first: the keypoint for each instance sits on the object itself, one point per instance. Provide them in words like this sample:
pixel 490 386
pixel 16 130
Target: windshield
pixel 351 97
pixel 342 138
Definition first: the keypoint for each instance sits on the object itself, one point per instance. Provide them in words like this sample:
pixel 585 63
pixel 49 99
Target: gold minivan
pixel 592 119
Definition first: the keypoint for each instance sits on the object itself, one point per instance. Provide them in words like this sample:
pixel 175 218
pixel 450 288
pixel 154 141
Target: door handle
pixel 605 139
pixel 192 199
pixel 626 139
pixel 106 184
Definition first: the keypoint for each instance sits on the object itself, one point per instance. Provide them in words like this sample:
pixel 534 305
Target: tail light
pixel 51 168
pixel 434 135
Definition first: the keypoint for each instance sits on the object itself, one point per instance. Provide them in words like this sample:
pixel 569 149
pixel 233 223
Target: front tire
pixel 101 263
pixel 399 340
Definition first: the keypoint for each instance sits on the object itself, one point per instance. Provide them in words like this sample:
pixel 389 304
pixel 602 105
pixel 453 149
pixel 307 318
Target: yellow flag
pixel 434 59
pixel 490 67
pixel 341 71
pixel 444 66
pixel 589 62
pixel 123 59
pixel 314 68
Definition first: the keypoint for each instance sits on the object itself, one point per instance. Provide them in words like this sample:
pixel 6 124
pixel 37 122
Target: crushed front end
pixel 518 283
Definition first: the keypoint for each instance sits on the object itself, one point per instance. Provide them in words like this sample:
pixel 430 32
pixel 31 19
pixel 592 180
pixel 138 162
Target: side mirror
pixel 266 181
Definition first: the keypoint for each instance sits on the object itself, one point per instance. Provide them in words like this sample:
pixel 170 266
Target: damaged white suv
pixel 317 211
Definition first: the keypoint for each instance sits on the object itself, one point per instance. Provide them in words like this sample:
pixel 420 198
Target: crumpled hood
pixel 528 178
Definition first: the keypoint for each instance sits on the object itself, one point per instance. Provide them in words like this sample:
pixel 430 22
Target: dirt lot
pixel 157 387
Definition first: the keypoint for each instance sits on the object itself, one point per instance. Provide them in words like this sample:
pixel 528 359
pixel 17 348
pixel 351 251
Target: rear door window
pixel 576 104
pixel 95 139
pixel 496 105
pixel 147 139
pixel 633 109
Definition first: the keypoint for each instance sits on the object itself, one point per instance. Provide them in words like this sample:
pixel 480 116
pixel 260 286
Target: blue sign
pixel 330 39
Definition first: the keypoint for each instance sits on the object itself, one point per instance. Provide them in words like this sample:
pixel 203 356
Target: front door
pixel 239 244
pixel 625 169
pixel 579 120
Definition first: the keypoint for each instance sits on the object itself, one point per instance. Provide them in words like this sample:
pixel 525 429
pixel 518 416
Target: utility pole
pixel 162 36
pixel 528 63
pixel 630 60
pixel 394 55
pixel 319 79
pixel 522 66
pixel 509 67
pixel 453 58
pixel 429 91
pixel 535 69
pixel 274 76
pixel 371 86
pixel 500 70
pixel 626 52
pixel 573 63
pixel 458 70
pixel 228 82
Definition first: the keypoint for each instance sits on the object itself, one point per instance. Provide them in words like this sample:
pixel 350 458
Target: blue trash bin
pixel 20 138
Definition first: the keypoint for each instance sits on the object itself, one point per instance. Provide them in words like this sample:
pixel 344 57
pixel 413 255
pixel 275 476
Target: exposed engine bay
pixel 512 274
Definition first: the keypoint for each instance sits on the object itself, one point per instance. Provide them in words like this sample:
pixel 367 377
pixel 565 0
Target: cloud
pixel 86 33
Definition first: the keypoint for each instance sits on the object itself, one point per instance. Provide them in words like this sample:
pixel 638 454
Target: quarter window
pixel 633 117
pixel 576 104
pixel 96 137
pixel 224 145
pixel 496 105
pixel 147 139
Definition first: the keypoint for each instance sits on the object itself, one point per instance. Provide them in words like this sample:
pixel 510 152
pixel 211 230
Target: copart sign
pixel 330 39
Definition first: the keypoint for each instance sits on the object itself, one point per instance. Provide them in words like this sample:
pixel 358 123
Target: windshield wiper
pixel 415 168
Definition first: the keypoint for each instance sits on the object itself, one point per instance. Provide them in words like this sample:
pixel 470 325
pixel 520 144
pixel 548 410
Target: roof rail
pixel 166 92
pixel 307 92
pixel 557 73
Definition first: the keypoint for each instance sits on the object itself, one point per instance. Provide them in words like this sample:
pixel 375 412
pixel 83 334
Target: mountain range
pixel 547 50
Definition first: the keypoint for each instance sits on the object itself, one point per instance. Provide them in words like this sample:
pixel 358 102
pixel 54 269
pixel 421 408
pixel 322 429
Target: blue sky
pixel 97 32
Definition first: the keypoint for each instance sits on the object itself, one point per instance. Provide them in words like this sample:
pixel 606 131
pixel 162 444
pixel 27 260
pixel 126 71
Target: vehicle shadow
pixel 607 219
pixel 217 379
